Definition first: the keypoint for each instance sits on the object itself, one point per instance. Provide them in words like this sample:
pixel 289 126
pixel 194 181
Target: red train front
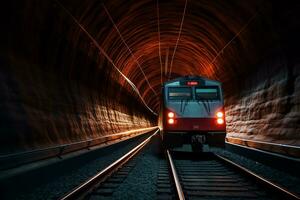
pixel 192 113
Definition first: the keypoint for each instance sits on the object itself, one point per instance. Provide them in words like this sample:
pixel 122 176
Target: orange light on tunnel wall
pixel 220 117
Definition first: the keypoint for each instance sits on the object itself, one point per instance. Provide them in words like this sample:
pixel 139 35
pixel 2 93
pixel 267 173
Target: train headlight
pixel 220 114
pixel 220 117
pixel 220 121
pixel 170 121
pixel 171 115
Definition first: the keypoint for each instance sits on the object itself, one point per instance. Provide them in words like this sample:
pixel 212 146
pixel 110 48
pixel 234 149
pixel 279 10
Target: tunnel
pixel 75 71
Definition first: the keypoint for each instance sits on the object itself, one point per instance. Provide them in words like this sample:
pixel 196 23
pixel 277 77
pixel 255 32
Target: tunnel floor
pixel 141 180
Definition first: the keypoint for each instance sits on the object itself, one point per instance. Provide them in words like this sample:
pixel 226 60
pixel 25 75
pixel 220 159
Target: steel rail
pixel 15 160
pixel 285 150
pixel 179 190
pixel 84 188
pixel 262 180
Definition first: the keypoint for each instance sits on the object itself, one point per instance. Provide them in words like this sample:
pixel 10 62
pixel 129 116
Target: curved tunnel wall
pixel 267 105
pixel 59 87
pixel 55 89
pixel 267 108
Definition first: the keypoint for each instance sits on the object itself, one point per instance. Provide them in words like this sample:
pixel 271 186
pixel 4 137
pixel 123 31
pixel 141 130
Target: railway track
pixel 183 176
pixel 104 182
pixel 214 177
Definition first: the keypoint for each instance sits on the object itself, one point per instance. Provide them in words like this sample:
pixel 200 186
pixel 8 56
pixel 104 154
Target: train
pixel 192 114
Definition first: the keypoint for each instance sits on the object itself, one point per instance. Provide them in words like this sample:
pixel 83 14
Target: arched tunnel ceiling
pixel 153 41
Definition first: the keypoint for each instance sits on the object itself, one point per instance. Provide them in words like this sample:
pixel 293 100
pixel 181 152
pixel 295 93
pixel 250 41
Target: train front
pixel 192 114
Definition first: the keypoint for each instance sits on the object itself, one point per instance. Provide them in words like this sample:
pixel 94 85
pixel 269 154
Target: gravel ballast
pixel 62 184
pixel 290 182
pixel 141 182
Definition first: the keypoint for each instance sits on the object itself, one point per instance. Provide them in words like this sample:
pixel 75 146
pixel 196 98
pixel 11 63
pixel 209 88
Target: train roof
pixel 188 78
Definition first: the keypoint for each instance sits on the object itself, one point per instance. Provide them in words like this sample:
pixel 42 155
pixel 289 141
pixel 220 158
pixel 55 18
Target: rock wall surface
pixel 55 88
pixel 40 110
pixel 266 107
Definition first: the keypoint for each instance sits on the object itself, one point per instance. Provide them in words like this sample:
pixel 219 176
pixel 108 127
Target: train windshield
pixel 207 93
pixel 180 93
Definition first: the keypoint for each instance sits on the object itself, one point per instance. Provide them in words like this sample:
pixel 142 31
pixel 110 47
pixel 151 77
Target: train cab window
pixel 207 93
pixel 180 93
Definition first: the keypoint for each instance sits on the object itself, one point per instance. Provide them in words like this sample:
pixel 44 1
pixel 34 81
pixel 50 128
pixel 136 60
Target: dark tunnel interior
pixel 75 70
